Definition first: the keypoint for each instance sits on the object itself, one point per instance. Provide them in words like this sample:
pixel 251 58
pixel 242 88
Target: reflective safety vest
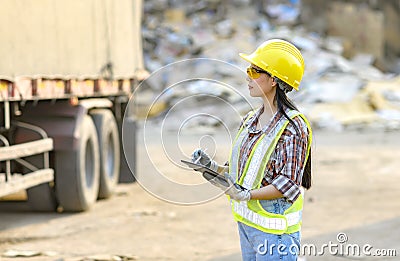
pixel 251 212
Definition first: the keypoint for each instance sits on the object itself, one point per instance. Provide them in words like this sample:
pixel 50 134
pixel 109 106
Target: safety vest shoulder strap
pixel 255 166
pixel 234 153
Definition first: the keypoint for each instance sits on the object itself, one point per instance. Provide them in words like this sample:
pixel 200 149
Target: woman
pixel 270 158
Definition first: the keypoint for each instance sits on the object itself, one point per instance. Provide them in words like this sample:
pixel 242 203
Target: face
pixel 260 84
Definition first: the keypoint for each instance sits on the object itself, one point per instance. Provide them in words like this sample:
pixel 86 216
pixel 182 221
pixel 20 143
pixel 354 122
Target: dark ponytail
pixel 306 181
pixel 282 102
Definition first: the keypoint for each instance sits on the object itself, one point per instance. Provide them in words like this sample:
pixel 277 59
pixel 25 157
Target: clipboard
pixel 208 173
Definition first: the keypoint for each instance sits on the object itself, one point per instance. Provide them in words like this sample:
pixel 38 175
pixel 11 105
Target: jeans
pixel 257 245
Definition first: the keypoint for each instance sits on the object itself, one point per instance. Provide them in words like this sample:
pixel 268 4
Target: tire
pixel 78 171
pixel 109 147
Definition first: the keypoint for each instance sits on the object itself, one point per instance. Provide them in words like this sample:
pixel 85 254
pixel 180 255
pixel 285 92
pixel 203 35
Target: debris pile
pixel 336 92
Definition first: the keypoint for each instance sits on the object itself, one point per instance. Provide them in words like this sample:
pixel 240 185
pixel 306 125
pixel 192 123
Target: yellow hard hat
pixel 279 58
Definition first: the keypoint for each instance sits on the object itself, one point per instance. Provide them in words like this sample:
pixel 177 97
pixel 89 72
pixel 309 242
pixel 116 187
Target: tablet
pixel 208 173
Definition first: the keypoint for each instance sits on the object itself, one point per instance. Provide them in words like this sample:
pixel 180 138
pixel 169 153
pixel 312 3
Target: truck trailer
pixel 67 71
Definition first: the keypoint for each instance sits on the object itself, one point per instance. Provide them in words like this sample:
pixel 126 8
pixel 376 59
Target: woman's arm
pixel 267 192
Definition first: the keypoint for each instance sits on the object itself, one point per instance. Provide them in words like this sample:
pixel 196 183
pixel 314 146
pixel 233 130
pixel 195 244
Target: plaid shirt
pixel 285 167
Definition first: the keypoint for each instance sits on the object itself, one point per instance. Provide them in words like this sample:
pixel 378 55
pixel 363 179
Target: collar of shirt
pixel 251 124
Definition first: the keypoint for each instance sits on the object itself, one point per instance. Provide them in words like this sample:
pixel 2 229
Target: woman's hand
pixel 201 157
pixel 235 191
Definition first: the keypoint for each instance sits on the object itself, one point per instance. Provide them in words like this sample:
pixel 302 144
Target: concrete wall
pixel 370 26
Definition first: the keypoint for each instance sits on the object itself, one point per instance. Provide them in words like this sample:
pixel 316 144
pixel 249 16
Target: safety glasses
pixel 255 73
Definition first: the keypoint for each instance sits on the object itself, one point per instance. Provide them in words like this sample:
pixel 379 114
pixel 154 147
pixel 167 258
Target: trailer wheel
pixel 109 146
pixel 78 171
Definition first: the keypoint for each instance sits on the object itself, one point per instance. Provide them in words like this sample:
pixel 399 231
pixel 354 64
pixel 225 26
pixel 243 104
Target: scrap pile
pixel 336 92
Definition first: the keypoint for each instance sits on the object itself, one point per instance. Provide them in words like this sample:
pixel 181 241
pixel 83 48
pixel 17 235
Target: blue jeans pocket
pixel 269 205
pixel 276 206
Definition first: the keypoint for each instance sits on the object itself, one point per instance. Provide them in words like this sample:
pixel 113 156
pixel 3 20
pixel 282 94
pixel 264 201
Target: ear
pixel 274 83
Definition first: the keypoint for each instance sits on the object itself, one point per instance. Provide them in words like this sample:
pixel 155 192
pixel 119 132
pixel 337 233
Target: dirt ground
pixel 356 185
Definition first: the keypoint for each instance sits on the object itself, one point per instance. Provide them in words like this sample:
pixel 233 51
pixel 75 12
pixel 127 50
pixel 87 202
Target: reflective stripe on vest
pixel 277 223
pixel 251 212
